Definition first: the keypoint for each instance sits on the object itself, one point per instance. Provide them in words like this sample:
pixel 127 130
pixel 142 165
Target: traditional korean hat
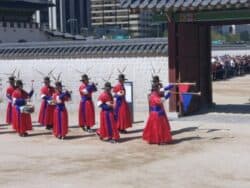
pixel 12 79
pixel 121 77
pixel 46 79
pixel 58 84
pixel 19 83
pixel 85 77
pixel 107 85
pixel 156 79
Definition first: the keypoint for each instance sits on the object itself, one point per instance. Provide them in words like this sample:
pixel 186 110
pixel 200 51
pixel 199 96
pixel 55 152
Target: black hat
pixel 107 85
pixel 12 78
pixel 46 79
pixel 85 77
pixel 156 79
pixel 58 84
pixel 122 77
pixel 154 87
pixel 19 83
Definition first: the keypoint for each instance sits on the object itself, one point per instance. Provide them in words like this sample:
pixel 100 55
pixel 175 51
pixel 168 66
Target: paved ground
pixel 209 150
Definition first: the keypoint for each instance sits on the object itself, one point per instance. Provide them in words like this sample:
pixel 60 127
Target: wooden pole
pixel 191 93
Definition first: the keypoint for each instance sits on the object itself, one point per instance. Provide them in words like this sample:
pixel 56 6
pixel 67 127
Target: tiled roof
pixel 87 49
pixel 25 3
pixel 185 5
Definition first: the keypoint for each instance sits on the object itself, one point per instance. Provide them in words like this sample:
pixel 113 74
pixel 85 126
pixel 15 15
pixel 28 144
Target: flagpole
pixel 183 83
pixel 191 93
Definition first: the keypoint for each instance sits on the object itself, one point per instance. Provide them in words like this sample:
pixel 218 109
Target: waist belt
pixel 86 98
pixel 157 109
pixel 60 106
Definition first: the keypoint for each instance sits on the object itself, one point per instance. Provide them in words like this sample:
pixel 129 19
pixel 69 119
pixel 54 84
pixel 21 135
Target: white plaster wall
pixel 138 71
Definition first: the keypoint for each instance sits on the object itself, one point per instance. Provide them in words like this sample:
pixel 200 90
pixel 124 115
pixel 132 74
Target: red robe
pixel 9 93
pixel 21 122
pixel 60 123
pixel 157 129
pixel 122 112
pixel 86 114
pixel 108 127
pixel 46 110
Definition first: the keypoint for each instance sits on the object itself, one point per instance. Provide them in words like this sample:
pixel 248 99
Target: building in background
pixel 20 20
pixel 107 15
pixel 67 16
pixel 98 17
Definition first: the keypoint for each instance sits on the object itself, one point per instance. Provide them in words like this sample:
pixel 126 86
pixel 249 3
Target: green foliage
pixel 217 36
pixel 232 38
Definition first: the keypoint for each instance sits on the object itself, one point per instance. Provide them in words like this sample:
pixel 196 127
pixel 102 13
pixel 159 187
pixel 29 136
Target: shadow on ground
pixel 127 139
pixel 7 132
pixel 40 134
pixel 135 131
pixel 185 139
pixel 73 137
pixel 225 108
pixel 187 129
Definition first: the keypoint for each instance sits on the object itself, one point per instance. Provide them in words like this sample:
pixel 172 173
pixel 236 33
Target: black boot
pixel 89 130
pixel 84 128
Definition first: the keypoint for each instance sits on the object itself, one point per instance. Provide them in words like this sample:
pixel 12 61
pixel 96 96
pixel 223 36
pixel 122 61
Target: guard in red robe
pixel 157 130
pixel 86 107
pixel 121 111
pixel 21 121
pixel 60 126
pixel 47 107
pixel 156 80
pixel 9 93
pixel 108 129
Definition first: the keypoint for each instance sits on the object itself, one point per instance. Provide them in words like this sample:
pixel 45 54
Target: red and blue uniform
pixel 21 122
pixel 9 93
pixel 108 127
pixel 157 129
pixel 121 111
pixel 46 110
pixel 60 124
pixel 86 107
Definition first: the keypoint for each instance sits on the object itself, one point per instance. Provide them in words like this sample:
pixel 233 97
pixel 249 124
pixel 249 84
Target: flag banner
pixel 186 100
pixel 185 97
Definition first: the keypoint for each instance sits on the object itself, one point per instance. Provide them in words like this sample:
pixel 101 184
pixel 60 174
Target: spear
pixel 50 72
pixel 183 83
pixel 39 72
pixel 191 93
pixel 32 84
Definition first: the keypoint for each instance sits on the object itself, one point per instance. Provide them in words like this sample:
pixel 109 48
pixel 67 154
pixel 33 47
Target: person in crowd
pixel 108 130
pixel 10 89
pixel 20 110
pixel 47 106
pixel 60 126
pixel 157 129
pixel 86 107
pixel 121 110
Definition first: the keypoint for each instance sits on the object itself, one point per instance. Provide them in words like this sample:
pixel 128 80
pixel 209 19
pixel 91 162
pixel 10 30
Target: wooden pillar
pixel 189 53
pixel 205 65
pixel 189 61
pixel 172 62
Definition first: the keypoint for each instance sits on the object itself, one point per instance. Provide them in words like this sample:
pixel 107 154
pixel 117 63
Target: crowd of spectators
pixel 224 67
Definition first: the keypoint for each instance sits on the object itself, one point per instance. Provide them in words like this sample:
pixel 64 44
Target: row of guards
pixel 115 115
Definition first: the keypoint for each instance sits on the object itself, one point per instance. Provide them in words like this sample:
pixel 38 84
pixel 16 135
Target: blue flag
pixel 186 100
